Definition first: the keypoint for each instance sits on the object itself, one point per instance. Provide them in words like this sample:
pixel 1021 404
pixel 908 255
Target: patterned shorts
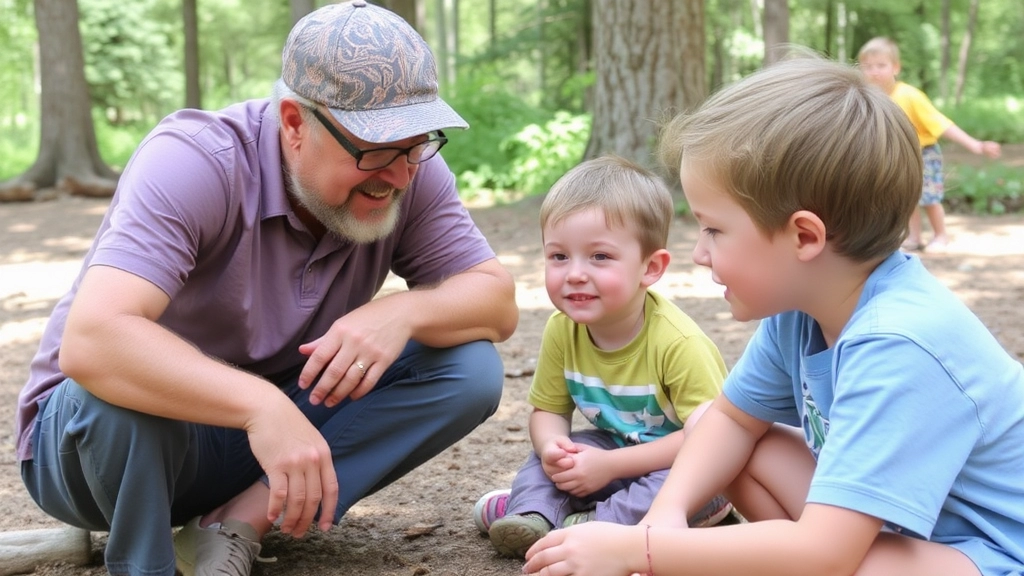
pixel 933 189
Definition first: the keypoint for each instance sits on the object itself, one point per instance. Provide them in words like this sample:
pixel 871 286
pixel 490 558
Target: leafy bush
pixel 999 118
pixel 19 147
pixel 511 148
pixel 539 155
pixel 117 143
pixel 995 189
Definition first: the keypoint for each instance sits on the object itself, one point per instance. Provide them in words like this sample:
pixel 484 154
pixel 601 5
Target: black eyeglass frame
pixel 426 153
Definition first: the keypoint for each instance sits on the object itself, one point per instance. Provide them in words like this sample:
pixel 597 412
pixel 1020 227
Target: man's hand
pixel 354 353
pixel 298 464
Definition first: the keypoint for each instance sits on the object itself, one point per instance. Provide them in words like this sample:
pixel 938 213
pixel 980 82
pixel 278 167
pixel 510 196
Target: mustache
pixel 376 187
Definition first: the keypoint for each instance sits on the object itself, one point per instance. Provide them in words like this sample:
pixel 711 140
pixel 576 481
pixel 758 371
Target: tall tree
pixel 965 50
pixel 776 29
pixel 193 95
pixel 944 44
pixel 300 8
pixel 406 9
pixel 68 156
pixel 649 63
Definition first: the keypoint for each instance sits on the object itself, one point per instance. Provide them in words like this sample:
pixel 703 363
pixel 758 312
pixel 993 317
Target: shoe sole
pixel 715 518
pixel 512 540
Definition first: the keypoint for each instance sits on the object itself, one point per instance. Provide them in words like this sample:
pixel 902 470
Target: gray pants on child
pixel 623 501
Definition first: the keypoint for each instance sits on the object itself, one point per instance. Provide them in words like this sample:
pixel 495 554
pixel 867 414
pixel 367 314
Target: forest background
pixel 543 83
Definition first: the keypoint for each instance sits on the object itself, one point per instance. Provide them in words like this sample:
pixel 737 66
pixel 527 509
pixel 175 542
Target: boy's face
pixel 594 274
pixel 880 70
pixel 752 266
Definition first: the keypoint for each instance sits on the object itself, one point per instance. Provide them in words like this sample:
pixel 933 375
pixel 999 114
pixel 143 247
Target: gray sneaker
pixel 225 549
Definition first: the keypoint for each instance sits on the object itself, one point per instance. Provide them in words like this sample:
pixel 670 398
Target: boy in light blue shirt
pixel 873 426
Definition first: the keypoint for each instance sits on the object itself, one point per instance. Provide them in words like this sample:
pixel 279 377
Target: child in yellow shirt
pixel 880 61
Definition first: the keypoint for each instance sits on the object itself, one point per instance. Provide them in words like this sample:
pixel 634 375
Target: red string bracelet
pixel 647 546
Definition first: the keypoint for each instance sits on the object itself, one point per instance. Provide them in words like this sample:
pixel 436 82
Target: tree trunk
pixel 944 52
pixel 965 49
pixel 649 66
pixel 776 29
pixel 541 49
pixel 68 156
pixel 828 27
pixel 441 45
pixel 300 8
pixel 193 95
pixel 492 25
pixel 452 41
pixel 406 9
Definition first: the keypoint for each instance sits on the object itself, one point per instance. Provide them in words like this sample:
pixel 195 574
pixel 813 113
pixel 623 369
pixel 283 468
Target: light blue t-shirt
pixel 915 416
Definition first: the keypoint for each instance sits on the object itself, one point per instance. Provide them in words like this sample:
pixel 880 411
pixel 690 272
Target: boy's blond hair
pixel 807 134
pixel 629 195
pixel 880 45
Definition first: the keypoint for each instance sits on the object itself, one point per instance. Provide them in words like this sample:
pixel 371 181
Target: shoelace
pixel 239 550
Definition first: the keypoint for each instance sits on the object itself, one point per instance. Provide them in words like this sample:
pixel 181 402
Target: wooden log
pixel 21 551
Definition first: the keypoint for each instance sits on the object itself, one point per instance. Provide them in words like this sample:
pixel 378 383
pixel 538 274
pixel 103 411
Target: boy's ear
pixel 808 234
pixel 657 264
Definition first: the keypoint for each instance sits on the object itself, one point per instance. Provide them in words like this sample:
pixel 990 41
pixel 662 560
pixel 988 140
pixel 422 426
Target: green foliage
pixel 18 148
pixel 540 154
pixel 993 189
pixel 511 145
pixel 128 61
pixel 1000 119
pixel 117 143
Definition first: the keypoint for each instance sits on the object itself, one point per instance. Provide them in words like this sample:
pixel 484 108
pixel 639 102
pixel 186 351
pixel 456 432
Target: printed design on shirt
pixel 814 424
pixel 632 412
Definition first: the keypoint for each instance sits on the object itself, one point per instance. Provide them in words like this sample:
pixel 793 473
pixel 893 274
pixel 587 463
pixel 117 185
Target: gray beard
pixel 339 219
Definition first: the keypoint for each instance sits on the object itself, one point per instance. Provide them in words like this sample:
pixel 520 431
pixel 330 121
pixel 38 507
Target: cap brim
pixel 399 122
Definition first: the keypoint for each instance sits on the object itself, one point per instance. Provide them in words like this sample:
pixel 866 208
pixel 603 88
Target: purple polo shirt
pixel 202 213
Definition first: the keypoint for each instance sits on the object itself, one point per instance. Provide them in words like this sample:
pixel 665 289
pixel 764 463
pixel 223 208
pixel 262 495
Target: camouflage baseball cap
pixel 370 68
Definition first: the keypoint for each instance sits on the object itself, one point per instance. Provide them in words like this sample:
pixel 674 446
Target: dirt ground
pixel 422 524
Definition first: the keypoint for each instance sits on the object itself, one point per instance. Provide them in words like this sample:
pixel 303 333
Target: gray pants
pixel 105 468
pixel 624 501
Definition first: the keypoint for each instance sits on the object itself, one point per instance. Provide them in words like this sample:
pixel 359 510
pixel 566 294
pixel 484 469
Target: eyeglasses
pixel 378 158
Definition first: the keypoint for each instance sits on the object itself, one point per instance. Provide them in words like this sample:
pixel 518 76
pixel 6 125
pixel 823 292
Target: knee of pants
pixel 88 423
pixel 482 375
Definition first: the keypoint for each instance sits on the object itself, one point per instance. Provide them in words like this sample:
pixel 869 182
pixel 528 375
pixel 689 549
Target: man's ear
pixel 657 265
pixel 808 234
pixel 290 113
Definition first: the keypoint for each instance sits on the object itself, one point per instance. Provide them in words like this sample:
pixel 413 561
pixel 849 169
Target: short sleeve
pixel 548 391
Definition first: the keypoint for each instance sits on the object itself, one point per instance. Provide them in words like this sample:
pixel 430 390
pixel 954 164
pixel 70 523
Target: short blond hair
pixel 880 45
pixel 629 195
pixel 807 134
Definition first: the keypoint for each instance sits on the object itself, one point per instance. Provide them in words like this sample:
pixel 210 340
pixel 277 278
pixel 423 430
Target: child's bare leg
pixel 774 485
pixel 775 481
pixel 937 219
pixel 914 236
pixel 897 554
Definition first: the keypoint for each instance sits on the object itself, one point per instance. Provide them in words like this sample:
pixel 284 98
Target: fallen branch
pixel 22 551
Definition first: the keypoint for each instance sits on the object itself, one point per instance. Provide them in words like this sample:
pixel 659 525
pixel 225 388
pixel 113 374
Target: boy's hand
pixel 589 473
pixel 991 149
pixel 557 455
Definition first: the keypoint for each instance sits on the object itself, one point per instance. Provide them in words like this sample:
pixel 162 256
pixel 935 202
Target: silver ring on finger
pixel 362 368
